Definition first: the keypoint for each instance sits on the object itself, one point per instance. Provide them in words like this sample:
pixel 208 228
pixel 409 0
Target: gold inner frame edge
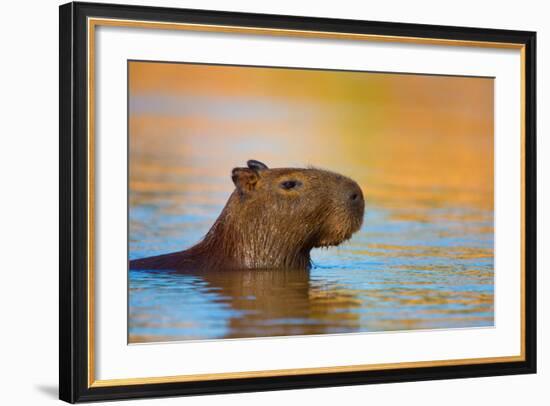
pixel 92 23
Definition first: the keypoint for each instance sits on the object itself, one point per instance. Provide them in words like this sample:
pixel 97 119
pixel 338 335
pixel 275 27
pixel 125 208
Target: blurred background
pixel 420 146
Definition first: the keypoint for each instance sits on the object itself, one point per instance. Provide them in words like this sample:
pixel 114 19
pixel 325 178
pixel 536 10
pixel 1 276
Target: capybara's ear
pixel 245 179
pixel 256 165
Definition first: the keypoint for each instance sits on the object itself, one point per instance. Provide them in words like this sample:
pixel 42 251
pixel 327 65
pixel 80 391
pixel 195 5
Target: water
pixel 393 275
pixel 420 147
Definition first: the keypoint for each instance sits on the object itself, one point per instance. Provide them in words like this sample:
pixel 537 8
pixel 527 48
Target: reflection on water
pixel 424 256
pixel 393 275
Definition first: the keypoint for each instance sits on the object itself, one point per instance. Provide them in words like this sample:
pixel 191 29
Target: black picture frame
pixel 73 284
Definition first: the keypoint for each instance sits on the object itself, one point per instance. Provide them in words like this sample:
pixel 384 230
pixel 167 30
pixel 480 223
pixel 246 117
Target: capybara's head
pixel 276 216
pixel 313 207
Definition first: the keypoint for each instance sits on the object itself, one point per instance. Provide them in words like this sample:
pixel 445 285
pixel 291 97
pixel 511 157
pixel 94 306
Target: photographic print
pixel 267 202
pixel 359 196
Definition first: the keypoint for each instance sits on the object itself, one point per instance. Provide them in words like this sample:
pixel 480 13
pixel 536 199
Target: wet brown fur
pixel 264 225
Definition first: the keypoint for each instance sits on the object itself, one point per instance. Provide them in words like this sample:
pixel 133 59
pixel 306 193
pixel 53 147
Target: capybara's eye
pixel 289 184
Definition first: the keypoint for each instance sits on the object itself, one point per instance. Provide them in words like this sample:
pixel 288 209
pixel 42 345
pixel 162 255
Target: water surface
pixel 395 274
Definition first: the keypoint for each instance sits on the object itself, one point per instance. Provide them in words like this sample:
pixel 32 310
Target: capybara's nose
pixel 355 195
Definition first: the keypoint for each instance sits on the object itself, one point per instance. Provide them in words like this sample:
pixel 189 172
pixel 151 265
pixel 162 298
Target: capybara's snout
pixel 354 194
pixel 352 197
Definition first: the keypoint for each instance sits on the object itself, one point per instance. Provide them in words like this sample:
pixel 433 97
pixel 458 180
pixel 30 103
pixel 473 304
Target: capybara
pixel 273 219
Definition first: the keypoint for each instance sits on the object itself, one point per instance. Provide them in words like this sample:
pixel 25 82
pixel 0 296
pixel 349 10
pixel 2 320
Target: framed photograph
pixel 255 202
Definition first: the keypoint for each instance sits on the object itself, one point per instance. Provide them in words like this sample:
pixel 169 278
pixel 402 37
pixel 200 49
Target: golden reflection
pixel 275 302
pixel 410 140
pixel 441 252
